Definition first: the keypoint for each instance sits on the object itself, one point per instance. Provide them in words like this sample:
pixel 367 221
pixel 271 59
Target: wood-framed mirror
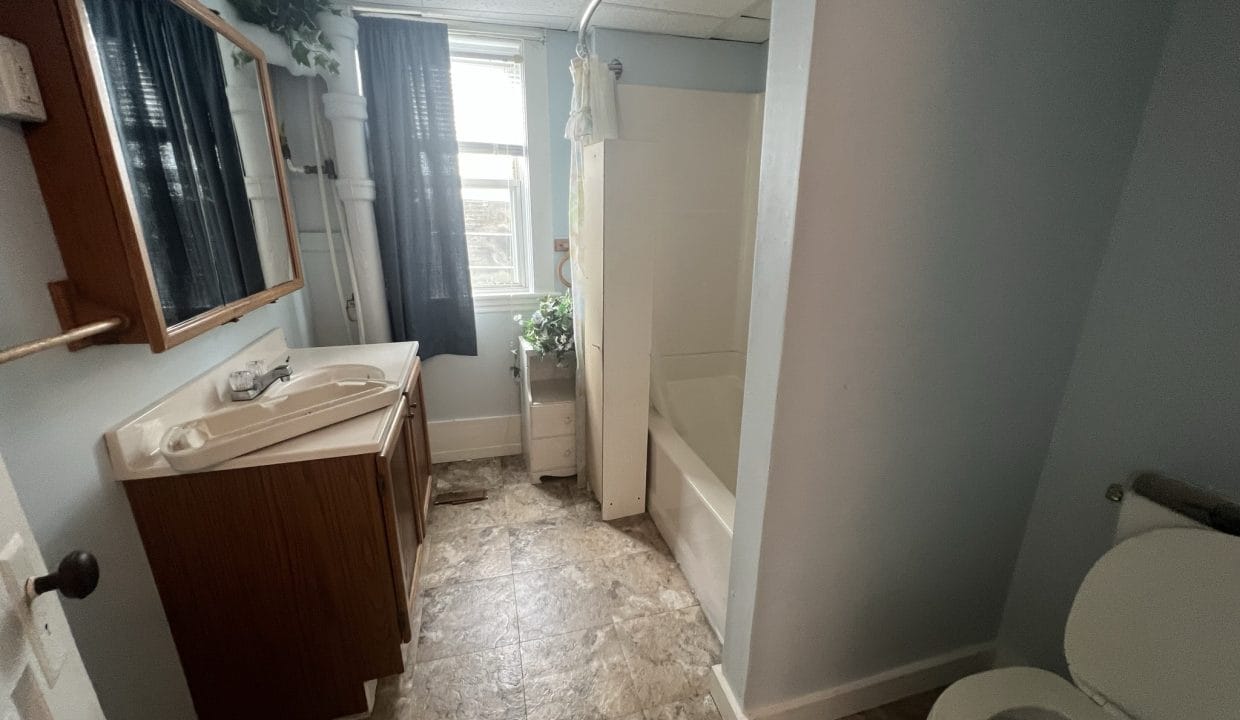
pixel 160 165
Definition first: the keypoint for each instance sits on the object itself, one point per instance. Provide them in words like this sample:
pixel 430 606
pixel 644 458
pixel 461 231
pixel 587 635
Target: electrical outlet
pixel 561 244
pixel 19 91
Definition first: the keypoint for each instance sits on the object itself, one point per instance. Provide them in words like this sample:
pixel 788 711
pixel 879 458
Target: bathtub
pixel 695 425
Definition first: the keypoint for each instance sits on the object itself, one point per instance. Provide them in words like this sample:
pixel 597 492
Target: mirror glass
pixel 190 125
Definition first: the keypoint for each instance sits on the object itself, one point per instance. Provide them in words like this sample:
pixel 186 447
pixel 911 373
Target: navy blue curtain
pixel 165 75
pixel 406 75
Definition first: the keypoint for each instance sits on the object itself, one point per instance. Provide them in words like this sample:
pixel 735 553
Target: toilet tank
pixel 1155 626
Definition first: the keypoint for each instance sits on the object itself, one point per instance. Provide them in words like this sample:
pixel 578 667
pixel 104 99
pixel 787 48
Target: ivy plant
pixel 550 328
pixel 296 22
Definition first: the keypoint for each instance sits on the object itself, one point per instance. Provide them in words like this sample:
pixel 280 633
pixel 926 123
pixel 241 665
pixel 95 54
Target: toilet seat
pixel 1151 634
pixel 982 696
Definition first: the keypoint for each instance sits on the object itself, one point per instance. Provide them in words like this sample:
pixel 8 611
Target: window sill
pixel 506 302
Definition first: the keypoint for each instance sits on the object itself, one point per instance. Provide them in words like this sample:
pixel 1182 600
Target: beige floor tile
pixel 467 617
pixel 699 708
pixel 466 554
pixel 549 543
pixel 669 655
pixel 580 675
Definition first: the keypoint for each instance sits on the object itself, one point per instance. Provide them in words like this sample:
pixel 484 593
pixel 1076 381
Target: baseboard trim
pixel 854 697
pixel 725 699
pixel 475 438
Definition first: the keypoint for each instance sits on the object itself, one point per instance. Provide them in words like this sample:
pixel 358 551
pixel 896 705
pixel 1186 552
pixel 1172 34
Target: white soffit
pixel 760 9
pixel 627 17
pixel 743 20
pixel 709 8
pixel 744 29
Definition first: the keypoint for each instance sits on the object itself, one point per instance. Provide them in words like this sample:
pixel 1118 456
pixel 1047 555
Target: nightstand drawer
pixel 553 419
pixel 556 452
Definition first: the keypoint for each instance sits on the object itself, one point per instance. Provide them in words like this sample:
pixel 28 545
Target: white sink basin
pixel 135 446
pixel 320 399
pixel 323 375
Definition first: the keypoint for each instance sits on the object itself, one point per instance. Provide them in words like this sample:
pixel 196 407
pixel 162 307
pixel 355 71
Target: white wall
pixel 958 173
pixel 1154 384
pixel 54 408
pixel 704 259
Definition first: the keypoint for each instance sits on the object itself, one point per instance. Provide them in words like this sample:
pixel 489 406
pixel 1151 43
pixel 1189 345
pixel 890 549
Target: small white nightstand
pixel 548 414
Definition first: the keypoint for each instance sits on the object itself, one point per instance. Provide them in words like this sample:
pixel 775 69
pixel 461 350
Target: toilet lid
pixel 1155 627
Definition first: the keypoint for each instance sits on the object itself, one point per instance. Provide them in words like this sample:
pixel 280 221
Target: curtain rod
pixel 79 333
pixel 582 50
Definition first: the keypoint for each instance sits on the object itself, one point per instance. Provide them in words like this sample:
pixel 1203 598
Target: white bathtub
pixel 694 439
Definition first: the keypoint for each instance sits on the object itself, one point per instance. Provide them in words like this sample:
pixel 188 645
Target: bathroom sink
pixel 323 375
pixel 316 399
pixel 351 422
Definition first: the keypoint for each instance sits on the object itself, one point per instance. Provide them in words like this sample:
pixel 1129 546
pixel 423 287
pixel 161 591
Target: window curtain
pixel 165 77
pixel 406 76
pixel 592 118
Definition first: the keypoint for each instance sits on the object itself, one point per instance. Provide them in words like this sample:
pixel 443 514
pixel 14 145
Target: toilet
pixel 1152 635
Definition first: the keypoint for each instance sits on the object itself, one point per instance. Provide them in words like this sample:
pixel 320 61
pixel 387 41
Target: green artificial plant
pixel 550 328
pixel 296 21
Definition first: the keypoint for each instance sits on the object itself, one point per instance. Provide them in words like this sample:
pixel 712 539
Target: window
pixel 488 94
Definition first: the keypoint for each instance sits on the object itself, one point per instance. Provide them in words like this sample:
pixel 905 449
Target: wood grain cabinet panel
pixel 288 587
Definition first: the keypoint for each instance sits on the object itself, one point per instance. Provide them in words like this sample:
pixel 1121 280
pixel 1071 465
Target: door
pixel 395 468
pixel 41 672
pixel 417 431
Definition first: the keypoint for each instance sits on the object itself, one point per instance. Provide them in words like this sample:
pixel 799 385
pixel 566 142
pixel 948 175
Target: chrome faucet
pixel 254 380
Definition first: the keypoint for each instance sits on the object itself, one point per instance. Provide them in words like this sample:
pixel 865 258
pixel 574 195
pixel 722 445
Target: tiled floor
pixel 533 607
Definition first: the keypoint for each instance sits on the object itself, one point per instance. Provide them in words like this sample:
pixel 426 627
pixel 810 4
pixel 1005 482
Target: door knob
pixel 75 577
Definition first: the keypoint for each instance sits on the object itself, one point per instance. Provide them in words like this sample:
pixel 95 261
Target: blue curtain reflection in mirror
pixel 164 73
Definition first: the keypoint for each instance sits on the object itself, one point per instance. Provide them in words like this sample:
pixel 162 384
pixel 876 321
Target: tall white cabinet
pixel 621 208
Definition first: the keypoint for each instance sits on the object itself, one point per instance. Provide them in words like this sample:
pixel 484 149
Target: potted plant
pixel 549 329
pixel 296 22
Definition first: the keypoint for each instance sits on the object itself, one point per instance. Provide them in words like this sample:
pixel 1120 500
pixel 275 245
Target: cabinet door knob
pixel 76 577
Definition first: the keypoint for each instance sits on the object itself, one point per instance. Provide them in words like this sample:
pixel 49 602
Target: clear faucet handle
pixel 241 380
pixel 258 367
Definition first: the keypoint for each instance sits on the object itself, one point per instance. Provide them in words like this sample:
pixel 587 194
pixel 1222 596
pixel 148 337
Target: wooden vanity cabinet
pixel 288 586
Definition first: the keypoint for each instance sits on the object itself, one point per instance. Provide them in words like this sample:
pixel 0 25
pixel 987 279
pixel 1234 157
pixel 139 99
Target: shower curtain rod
pixel 615 66
pixel 584 24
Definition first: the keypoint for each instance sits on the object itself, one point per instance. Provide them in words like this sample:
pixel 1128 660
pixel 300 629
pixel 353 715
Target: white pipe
pixel 327 220
pixel 348 257
pixel 348 247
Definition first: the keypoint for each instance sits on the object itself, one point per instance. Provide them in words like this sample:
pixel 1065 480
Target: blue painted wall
pixel 1154 384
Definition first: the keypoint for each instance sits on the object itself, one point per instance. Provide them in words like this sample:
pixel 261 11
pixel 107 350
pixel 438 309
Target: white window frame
pixel 536 251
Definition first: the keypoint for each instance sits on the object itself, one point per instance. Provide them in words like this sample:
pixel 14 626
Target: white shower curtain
pixel 591 119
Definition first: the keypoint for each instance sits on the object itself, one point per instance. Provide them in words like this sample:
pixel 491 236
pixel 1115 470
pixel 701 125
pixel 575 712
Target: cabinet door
pixel 420 440
pixel 397 479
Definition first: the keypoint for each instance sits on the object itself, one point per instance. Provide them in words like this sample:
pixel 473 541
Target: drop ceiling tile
pixel 566 8
pixel 745 29
pixel 760 9
pixel 711 8
pixel 556 14
pixel 627 17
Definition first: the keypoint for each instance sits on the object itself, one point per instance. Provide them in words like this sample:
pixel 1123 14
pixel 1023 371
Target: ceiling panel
pixel 711 8
pixel 692 18
pixel 626 17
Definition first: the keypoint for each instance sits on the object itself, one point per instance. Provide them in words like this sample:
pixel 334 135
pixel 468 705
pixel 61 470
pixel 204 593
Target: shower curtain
pixel 592 118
